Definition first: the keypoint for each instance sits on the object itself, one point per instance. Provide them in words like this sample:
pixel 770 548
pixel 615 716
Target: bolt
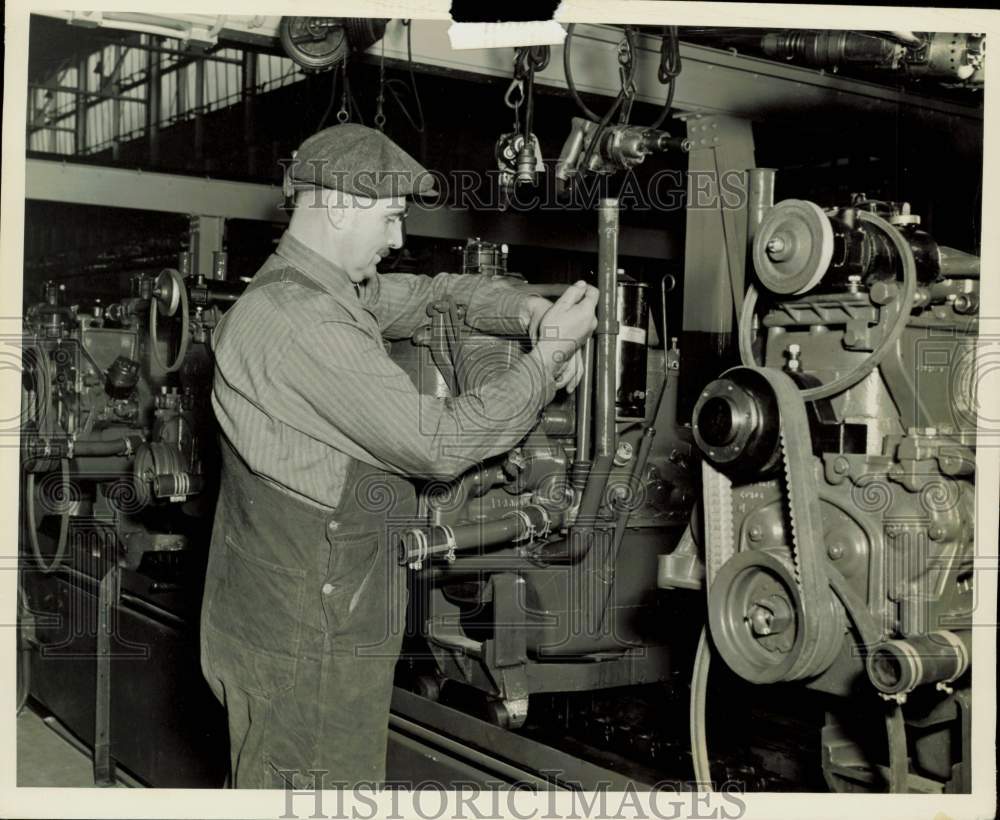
pixel 936 532
pixel 775 245
pixel 793 357
pixel 835 550
pixel 624 454
pixel 760 620
pixel 841 466
pixel 755 533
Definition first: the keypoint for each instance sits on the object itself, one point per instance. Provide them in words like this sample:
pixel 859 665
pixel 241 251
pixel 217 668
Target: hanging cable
pixel 333 98
pixel 567 46
pixel 669 69
pixel 343 114
pixel 380 99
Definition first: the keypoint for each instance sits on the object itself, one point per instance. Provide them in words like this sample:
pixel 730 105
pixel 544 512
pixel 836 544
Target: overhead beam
pixel 712 80
pixel 52 181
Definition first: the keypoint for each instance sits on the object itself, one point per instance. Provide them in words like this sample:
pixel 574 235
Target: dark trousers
pixel 301 625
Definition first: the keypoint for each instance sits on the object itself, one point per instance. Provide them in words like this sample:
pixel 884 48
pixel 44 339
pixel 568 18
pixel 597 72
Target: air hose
pixel 670 68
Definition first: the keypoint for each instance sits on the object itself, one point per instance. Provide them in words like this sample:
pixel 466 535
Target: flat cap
pixel 361 161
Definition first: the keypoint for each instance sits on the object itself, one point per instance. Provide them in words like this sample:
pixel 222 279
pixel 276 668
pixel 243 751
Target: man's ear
pixel 338 209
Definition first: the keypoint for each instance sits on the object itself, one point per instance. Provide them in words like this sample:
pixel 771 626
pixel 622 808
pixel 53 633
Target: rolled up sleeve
pixel 336 383
pixel 492 306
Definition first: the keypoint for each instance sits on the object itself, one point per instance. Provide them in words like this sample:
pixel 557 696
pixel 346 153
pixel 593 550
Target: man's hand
pixel 560 329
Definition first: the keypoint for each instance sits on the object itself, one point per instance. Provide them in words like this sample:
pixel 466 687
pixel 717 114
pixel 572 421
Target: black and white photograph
pixel 455 412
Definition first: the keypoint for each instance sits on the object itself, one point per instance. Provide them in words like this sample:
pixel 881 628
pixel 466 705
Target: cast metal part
pixel 735 423
pixel 793 247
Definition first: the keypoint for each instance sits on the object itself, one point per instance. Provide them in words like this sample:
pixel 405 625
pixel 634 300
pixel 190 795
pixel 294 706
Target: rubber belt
pixel 108 594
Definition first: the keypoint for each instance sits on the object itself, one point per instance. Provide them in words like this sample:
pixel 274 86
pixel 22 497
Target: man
pixel 304 600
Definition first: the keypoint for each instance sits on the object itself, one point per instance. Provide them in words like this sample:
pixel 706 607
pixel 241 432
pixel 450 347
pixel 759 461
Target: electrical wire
pixel 333 99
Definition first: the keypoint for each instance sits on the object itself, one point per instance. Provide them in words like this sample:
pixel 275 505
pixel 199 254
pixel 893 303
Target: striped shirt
pixel 303 382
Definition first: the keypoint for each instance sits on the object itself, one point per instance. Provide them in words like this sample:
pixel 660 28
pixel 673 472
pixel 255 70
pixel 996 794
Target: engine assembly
pixel 757 507
pixel 838 481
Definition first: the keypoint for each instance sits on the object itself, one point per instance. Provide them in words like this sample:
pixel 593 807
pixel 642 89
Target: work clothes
pixel 305 600
pixel 304 384
pixel 302 622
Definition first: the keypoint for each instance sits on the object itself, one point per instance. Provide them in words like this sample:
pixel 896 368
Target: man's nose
pixel 397 235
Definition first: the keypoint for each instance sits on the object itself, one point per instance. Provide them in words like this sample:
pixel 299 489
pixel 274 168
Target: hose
pixel 671 72
pixel 699 695
pixel 889 339
pixel 178 281
pixel 567 44
pixel 63 523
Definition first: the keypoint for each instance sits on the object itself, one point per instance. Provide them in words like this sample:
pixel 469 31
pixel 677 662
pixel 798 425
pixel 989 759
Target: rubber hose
pixel 698 713
pixel 905 305
pixel 590 115
pixel 63 523
pixel 183 348
pixel 672 83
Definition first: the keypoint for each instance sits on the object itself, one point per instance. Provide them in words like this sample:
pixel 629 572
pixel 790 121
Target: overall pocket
pixel 256 614
pixel 354 562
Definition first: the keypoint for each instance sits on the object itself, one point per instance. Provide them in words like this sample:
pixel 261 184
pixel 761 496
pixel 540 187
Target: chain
pixel 343 115
pixel 379 112
pixel 515 104
pixel 626 75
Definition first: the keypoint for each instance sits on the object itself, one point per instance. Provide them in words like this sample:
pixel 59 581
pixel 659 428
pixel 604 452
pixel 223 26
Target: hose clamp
pixel 546 528
pixel 422 549
pixel 529 527
pixel 449 540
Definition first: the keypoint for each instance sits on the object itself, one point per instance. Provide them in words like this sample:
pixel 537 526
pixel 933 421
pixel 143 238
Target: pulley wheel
pixel 793 247
pixel 754 612
pixel 166 292
pixel 315 43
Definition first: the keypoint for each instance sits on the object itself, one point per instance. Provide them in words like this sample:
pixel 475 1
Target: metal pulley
pixel 319 43
pixel 167 291
pixel 753 613
pixel 793 247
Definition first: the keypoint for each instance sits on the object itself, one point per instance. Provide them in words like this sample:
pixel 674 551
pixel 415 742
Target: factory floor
pixel 46 758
